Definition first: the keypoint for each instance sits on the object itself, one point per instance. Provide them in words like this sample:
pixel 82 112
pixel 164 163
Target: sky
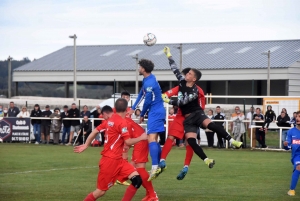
pixel 35 28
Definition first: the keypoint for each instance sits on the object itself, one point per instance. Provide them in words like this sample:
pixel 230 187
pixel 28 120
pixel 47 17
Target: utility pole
pixel 180 52
pixel 75 67
pixel 268 73
pixel 136 73
pixel 9 77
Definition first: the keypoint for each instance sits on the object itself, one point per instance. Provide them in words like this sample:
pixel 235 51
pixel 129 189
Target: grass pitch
pixel 31 172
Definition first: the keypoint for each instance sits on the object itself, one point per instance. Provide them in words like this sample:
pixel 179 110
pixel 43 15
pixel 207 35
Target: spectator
pixel 75 124
pixel 85 129
pixel 209 134
pixel 36 123
pixel 45 125
pixel 250 118
pixel 283 121
pixel 137 114
pixel 85 112
pixel 1 111
pixel 270 116
pixel 220 116
pixel 259 132
pixel 24 113
pixel 5 112
pixel 284 110
pixel 237 125
pixel 66 125
pixel 55 125
pixel 293 120
pixel 96 114
pixel 13 111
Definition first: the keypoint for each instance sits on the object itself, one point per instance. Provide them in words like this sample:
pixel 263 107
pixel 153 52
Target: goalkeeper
pixel 293 142
pixel 192 111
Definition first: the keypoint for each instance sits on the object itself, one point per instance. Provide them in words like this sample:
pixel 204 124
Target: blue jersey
pixel 151 91
pixel 293 139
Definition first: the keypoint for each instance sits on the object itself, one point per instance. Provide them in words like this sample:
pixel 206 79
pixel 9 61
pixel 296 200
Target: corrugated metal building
pixel 228 68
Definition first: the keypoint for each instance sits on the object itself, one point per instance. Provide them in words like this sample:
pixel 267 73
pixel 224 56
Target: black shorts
pixel 45 129
pixel 192 123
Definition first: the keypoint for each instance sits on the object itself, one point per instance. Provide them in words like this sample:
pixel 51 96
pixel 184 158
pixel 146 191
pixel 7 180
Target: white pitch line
pixel 49 170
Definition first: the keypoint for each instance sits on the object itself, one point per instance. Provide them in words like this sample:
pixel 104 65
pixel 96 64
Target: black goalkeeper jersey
pixel 187 96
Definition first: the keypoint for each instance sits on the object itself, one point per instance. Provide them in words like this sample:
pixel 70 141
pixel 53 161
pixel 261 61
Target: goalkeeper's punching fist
pixel 167 51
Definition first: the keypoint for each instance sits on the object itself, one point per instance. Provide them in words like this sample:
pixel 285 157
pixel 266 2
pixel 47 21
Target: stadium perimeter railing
pixel 225 121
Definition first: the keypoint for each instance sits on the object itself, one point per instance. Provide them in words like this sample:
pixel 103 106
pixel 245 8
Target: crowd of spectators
pixel 240 123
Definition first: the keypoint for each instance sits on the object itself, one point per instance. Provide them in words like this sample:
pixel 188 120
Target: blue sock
pixel 153 149
pixel 295 177
pixel 159 151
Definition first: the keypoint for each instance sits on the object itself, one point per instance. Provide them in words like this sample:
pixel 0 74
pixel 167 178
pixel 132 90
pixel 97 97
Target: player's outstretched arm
pixel 173 65
pixel 81 148
pixel 287 144
pixel 137 101
pixel 132 141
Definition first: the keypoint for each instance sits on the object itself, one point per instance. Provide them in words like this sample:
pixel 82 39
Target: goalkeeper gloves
pixel 165 98
pixel 167 51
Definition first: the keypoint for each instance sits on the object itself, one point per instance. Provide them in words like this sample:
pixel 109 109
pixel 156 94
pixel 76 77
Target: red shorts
pixel 176 129
pixel 111 169
pixel 140 152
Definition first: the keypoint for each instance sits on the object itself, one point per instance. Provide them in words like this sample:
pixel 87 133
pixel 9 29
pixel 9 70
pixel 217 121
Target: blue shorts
pixel 296 161
pixel 156 122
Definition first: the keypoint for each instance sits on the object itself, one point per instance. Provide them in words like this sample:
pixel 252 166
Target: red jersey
pixel 171 117
pixel 127 114
pixel 201 96
pixel 134 129
pixel 115 134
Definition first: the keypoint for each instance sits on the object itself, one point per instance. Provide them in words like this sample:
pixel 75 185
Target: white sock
pixel 205 159
pixel 162 160
pixel 186 166
pixel 231 140
pixel 154 167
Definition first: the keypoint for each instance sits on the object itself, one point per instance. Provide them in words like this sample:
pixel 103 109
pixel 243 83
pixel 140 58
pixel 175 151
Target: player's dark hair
pixel 197 73
pixel 298 112
pixel 106 109
pixel 125 93
pixel 186 70
pixel 148 65
pixel 121 105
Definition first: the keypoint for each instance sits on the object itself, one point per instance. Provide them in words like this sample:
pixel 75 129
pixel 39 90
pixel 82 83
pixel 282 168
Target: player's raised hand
pixel 167 51
pixel 79 149
pixel 165 98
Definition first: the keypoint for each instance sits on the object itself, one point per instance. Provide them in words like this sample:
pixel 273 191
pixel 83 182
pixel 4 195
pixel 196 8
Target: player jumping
pixel 176 130
pixel 194 115
pixel 151 91
pixel 112 165
pixel 293 142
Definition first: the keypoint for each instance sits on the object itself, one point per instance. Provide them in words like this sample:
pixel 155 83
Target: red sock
pixel 188 155
pixel 129 193
pixel 166 149
pixel 146 184
pixel 90 197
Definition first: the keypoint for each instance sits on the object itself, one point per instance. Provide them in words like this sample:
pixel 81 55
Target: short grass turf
pixel 31 172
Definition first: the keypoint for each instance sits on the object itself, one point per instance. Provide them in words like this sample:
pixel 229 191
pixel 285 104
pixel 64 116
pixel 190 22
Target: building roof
pixel 219 55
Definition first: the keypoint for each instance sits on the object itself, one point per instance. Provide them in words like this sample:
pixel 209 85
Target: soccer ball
pixel 149 39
